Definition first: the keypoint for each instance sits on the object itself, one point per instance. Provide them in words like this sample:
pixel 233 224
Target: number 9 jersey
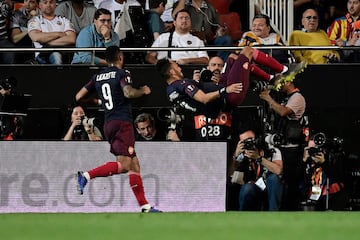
pixel 109 85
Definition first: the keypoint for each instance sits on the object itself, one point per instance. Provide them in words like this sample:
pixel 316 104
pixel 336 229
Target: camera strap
pixel 317 183
pixel 170 43
pixel 256 168
pixel 317 177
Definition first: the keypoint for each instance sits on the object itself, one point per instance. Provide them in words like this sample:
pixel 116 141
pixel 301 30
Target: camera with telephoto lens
pixel 259 86
pixel 206 75
pixel 319 140
pixel 169 116
pixel 88 121
pixel 325 145
pixel 79 132
pixel 274 139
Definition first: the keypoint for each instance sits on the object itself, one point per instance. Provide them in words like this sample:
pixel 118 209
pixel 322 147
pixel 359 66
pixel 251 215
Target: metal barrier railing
pixel 212 48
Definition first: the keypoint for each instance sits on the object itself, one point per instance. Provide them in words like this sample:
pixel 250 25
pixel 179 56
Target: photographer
pixel 12 106
pixel 286 115
pixel 212 71
pixel 80 129
pixel 257 168
pixel 147 130
pixel 323 185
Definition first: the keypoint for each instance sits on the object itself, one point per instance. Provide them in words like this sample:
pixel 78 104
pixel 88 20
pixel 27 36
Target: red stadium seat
pixel 221 6
pixel 18 5
pixel 233 23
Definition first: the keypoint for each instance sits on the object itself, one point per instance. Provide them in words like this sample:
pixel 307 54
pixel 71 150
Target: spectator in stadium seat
pixel 96 35
pixel 181 37
pixel 205 24
pixel 311 35
pixel 19 29
pixel 155 24
pixel 320 6
pixel 204 19
pixel 341 31
pixel 49 30
pixel 5 13
pixel 261 34
pixel 80 13
pixel 167 17
pixel 129 22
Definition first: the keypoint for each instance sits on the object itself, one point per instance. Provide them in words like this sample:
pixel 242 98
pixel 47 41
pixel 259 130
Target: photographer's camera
pixel 259 86
pixel 274 139
pixel 206 75
pixel 169 116
pixel 249 144
pixel 89 121
pixel 79 132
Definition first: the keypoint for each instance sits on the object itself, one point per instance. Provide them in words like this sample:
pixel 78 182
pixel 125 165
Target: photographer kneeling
pixel 258 168
pixel 82 128
pixel 323 185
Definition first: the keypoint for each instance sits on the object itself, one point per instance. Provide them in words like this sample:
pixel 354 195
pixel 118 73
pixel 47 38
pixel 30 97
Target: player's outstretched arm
pixel 130 92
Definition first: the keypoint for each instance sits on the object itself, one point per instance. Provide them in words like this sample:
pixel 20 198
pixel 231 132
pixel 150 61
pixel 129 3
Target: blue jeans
pixel 275 190
pixel 251 197
pixel 52 58
pixel 6 57
pixel 223 41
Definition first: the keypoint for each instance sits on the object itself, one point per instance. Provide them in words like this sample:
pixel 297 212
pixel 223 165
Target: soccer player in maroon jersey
pixel 113 86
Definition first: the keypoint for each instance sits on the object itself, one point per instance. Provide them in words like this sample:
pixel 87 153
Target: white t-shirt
pixel 166 16
pixel 58 24
pixel 186 40
pixel 297 104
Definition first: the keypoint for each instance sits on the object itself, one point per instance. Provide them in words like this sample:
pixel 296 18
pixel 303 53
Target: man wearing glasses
pixel 311 35
pixel 97 35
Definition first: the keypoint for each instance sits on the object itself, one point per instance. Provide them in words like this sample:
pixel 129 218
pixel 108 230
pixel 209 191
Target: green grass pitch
pixel 172 226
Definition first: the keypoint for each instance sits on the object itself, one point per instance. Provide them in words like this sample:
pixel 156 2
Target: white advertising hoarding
pixel 39 176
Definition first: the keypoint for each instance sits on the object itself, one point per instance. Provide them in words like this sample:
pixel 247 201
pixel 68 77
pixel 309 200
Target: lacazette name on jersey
pixel 105 76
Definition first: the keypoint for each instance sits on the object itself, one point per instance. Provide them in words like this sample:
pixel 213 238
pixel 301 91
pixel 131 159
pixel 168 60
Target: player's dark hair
pixel 163 67
pixel 112 53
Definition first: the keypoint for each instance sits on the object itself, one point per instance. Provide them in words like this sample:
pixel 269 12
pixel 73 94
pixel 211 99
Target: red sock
pixel 106 170
pixel 259 72
pixel 267 61
pixel 137 187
